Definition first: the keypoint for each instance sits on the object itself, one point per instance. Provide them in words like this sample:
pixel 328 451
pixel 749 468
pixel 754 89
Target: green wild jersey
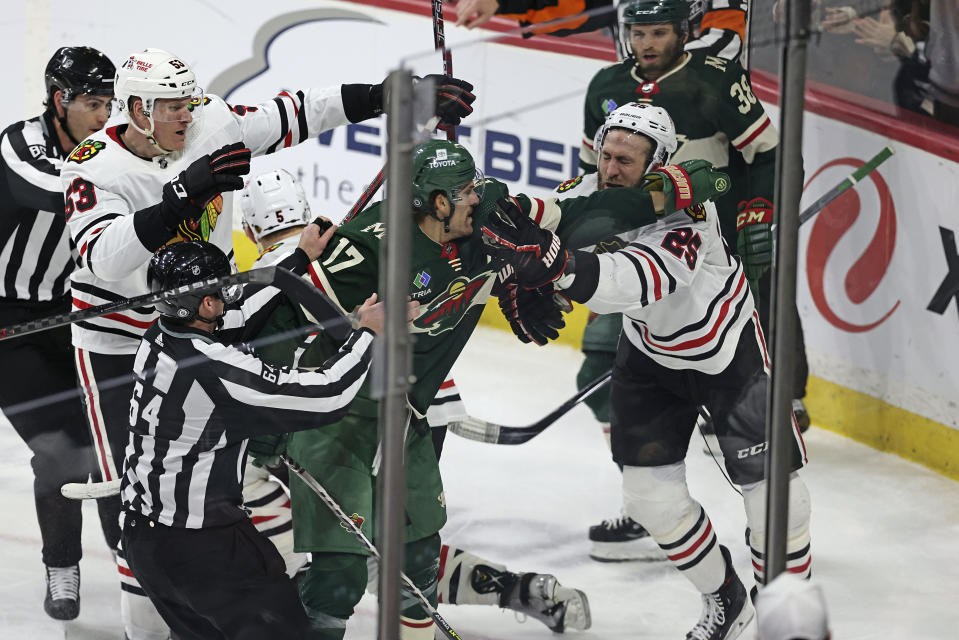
pixel 453 281
pixel 711 103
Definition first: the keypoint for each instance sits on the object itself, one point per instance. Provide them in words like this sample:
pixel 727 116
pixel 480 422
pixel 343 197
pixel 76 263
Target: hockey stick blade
pixel 307 478
pixel 482 431
pixel 260 276
pixel 90 490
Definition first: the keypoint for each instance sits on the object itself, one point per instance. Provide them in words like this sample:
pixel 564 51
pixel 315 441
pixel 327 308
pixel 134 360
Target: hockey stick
pixel 846 184
pixel 439 42
pixel 90 490
pixel 475 429
pixel 261 276
pixel 348 522
pixel 482 431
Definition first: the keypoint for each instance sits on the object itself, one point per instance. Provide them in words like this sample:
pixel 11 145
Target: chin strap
pixel 63 125
pixel 149 134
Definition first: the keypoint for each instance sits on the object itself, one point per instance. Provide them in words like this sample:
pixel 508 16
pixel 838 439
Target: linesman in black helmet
pixel 36 258
pixel 196 400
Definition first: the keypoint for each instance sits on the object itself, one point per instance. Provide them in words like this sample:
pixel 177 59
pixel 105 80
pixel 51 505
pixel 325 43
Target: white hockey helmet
pixel 271 202
pixel 644 119
pixel 151 75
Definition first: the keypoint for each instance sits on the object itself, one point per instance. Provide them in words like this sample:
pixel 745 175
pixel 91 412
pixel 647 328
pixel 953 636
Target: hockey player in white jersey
pixel 274 210
pixel 691 339
pixel 168 175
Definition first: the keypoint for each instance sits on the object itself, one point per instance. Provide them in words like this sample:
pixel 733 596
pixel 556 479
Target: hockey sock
pixel 798 546
pixel 468 579
pixel 141 620
pixel 416 628
pixel 692 548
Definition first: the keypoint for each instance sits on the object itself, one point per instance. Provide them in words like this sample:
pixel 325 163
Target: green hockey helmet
pixel 657 12
pixel 444 166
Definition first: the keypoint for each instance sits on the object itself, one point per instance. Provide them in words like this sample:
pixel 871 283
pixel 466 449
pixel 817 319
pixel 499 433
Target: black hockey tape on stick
pixel 846 184
pixel 348 522
pixel 482 431
pixel 262 276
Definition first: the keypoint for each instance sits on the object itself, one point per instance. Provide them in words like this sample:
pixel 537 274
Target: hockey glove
pixel 754 241
pixel 536 254
pixel 454 99
pixel 686 184
pixel 265 450
pixel 185 196
pixel 534 315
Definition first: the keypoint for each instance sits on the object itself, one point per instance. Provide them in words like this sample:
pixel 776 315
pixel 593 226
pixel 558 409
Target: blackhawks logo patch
pixel 569 184
pixel 200 228
pixel 697 212
pixel 86 150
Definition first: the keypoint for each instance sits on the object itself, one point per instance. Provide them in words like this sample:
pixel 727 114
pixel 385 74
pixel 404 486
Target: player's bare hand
pixel 475 13
pixel 316 236
pixel 371 314
pixel 839 20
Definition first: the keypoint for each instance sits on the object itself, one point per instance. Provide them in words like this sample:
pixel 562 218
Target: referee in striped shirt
pixel 197 399
pixel 36 258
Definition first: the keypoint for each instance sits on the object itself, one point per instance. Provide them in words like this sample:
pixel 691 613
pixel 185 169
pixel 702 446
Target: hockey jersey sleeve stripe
pixel 93 223
pixel 448 384
pixel 660 265
pixel 588 143
pixel 321 283
pixel 119 317
pixel 644 286
pixel 284 124
pixel 750 134
pixel 540 208
pixel 657 281
pixel 711 334
pixel 301 119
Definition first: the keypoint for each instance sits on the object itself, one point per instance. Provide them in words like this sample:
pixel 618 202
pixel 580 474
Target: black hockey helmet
pixel 78 70
pixel 657 12
pixel 183 263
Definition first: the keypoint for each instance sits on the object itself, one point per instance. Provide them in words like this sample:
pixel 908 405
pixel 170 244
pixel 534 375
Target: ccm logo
pixel 751 451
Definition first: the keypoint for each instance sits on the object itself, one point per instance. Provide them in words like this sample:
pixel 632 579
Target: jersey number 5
pixel 684 243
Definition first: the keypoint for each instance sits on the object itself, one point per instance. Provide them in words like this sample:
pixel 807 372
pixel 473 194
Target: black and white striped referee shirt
pixel 36 253
pixel 195 403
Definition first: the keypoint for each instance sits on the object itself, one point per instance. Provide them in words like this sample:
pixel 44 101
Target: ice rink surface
pixel 884 530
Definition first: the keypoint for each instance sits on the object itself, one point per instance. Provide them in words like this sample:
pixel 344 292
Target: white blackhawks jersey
pixel 684 297
pixel 105 184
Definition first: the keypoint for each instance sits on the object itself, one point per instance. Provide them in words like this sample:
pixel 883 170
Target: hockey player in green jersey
pixel 718 119
pixel 451 277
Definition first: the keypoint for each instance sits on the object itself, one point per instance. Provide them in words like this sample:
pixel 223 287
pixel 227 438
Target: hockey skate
pixel 727 611
pixel 62 601
pixel 622 539
pixel 541 596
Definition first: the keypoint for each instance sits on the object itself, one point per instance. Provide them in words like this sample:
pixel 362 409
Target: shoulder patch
pixel 86 150
pixel 609 105
pixel 273 248
pixel 697 212
pixel 195 102
pixel 569 184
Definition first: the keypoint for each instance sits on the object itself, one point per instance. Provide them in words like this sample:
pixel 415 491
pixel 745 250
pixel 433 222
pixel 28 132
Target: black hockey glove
pixel 536 254
pixel 185 196
pixel 534 315
pixel 754 241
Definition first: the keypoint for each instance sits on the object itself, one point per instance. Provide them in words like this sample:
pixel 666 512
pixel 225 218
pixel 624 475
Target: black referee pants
pixel 226 582
pixel 36 368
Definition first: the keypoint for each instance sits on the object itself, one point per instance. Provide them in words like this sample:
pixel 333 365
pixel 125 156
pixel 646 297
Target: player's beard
pixel 664 63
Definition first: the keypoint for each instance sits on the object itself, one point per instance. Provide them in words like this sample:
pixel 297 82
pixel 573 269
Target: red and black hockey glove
pixel 454 99
pixel 536 254
pixel 534 315
pixel 754 242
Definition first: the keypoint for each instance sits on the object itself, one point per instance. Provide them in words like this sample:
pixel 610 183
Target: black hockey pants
pixel 36 368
